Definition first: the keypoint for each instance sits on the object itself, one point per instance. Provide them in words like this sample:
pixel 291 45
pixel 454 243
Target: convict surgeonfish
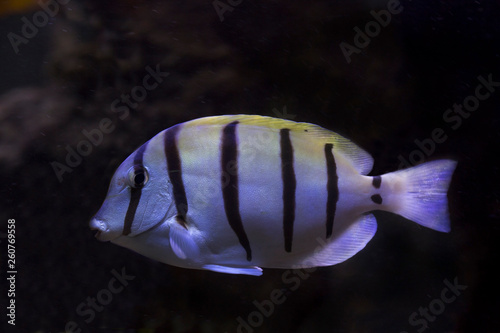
pixel 236 193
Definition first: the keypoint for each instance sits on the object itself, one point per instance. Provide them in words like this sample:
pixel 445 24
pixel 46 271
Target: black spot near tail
pixel 376 198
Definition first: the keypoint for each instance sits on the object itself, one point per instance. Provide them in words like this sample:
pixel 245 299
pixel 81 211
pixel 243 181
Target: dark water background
pixel 262 58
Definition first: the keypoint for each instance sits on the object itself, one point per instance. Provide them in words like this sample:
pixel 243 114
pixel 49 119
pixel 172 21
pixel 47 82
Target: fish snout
pixel 103 233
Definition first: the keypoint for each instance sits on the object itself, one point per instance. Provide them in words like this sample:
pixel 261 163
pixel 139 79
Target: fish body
pixel 236 193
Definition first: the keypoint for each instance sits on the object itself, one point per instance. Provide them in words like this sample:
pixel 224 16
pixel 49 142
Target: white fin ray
pixel 360 159
pixel 181 243
pixel 344 246
pixel 424 200
pixel 250 270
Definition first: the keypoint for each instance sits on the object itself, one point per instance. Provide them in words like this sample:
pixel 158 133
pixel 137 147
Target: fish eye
pixel 138 177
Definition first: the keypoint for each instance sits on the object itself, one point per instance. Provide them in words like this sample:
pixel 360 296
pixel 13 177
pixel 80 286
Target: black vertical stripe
pixel 332 188
pixel 135 192
pixel 174 169
pixel 377 181
pixel 289 187
pixel 229 184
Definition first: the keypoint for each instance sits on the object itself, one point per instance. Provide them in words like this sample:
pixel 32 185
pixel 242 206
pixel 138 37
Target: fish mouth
pixel 103 233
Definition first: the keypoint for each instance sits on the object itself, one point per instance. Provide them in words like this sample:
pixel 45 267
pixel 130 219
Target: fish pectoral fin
pixel 182 244
pixel 250 270
pixel 344 246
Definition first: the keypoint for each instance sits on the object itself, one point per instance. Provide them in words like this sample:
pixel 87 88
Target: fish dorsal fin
pixel 360 159
pixel 344 246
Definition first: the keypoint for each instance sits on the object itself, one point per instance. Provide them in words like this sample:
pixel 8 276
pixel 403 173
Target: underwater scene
pixel 237 166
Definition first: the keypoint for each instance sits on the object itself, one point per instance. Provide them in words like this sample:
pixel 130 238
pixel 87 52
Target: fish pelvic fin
pixel 421 193
pixel 250 270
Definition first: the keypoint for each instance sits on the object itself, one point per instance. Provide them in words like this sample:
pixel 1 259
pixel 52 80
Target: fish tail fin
pixel 423 196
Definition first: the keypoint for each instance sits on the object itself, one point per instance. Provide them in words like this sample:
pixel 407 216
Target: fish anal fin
pixel 250 270
pixel 343 246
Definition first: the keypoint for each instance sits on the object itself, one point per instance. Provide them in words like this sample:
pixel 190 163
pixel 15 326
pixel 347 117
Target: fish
pixel 237 193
